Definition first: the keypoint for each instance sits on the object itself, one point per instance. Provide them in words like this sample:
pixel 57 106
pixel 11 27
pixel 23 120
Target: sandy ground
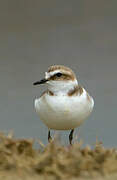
pixel 20 160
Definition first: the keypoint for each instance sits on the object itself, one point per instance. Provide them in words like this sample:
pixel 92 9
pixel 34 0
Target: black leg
pixel 71 136
pixel 49 136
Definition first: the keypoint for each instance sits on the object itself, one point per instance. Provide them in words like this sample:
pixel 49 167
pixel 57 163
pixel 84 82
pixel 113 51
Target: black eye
pixel 59 74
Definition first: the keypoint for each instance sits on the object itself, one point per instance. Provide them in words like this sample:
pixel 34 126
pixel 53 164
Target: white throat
pixel 61 87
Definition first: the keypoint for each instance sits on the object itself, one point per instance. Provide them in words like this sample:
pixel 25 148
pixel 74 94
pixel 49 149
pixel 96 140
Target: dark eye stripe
pixel 58 74
pixel 62 77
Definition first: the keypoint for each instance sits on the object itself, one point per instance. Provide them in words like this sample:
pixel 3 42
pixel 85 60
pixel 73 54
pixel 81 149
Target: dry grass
pixel 20 160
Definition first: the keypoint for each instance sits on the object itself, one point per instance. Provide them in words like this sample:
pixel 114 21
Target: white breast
pixel 64 112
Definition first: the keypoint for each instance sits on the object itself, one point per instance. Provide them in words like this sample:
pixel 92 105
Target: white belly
pixel 63 112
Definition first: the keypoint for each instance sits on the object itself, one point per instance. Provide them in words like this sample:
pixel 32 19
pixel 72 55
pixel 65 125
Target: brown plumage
pixel 64 77
pixel 67 73
pixel 59 67
pixel 88 97
pixel 77 90
pixel 47 92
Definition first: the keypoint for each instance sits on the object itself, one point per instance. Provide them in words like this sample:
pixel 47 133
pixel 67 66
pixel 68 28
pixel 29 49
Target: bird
pixel 65 104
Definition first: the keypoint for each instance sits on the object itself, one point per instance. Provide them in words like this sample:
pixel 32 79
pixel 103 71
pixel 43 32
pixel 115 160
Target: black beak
pixel 40 82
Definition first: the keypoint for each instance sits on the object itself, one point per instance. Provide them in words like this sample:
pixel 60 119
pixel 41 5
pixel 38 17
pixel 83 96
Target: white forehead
pixel 49 74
